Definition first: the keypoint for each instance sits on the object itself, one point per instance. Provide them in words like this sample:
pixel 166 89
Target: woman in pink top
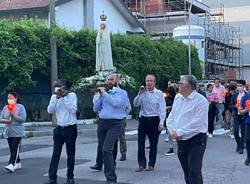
pixel 212 99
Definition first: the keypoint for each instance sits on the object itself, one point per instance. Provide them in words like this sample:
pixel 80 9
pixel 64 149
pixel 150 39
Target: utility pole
pixel 53 50
pixel 189 39
pixel 53 44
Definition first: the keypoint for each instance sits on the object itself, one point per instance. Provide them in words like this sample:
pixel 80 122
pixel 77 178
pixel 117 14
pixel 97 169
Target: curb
pixel 30 134
pixel 48 123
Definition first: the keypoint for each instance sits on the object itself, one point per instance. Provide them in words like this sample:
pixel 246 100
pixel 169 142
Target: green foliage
pixel 76 54
pixel 166 58
pixel 25 49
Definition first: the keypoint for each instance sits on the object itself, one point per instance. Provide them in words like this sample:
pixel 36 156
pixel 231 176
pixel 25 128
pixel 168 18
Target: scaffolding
pixel 224 42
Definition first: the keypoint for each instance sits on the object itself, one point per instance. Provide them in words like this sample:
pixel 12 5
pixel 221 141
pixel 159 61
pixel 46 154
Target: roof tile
pixel 22 4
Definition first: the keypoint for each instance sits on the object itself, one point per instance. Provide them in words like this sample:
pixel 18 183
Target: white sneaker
pixel 210 135
pixel 166 140
pixel 10 168
pixel 18 166
pixel 232 136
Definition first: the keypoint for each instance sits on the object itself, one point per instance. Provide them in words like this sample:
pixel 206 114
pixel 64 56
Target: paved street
pixel 221 163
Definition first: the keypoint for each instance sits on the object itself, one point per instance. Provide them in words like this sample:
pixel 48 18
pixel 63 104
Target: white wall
pixel 246 72
pixel 116 22
pixel 70 15
pixel 197 38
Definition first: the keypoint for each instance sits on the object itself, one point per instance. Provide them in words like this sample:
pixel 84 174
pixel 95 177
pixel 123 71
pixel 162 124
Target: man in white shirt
pixel 188 123
pixel 152 115
pixel 64 105
pixel 220 90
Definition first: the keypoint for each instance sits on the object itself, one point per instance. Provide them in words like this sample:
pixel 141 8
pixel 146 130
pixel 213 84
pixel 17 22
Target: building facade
pixel 223 42
pixel 237 12
pixel 75 14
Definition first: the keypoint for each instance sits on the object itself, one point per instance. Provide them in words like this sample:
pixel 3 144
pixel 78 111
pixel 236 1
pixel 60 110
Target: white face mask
pixel 11 102
pixel 56 89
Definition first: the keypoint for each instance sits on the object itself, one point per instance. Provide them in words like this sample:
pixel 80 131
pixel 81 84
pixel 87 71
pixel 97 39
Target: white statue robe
pixel 104 61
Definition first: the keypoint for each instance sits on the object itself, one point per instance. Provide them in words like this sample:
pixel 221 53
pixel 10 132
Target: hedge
pixel 25 50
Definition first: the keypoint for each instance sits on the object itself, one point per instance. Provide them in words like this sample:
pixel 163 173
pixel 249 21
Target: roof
pixel 17 5
pixel 14 5
pixel 22 4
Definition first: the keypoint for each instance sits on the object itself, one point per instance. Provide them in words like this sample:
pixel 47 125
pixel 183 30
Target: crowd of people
pixel 188 115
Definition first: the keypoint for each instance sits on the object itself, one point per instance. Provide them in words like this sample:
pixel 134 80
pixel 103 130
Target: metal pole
pixel 53 44
pixel 189 40
pixel 53 50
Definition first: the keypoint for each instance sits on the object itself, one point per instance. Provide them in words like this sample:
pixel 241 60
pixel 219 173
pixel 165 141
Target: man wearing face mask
pixel 152 115
pixel 64 105
pixel 238 119
pixel 111 106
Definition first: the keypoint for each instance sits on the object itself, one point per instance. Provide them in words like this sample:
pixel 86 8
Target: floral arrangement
pixel 91 83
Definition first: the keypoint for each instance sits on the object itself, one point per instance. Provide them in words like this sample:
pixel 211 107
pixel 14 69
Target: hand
pixel 12 114
pixel 101 90
pixel 6 121
pixel 142 89
pixel 174 134
pixel 59 93
pixel 64 92
pixel 160 127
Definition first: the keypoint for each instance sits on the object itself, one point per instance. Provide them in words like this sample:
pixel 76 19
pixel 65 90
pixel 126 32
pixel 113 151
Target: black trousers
pixel 190 154
pixel 99 157
pixel 148 126
pixel 68 136
pixel 211 118
pixel 110 129
pixel 247 134
pixel 239 128
pixel 14 147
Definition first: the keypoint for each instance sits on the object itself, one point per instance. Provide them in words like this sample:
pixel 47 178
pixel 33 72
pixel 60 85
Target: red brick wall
pixel 148 6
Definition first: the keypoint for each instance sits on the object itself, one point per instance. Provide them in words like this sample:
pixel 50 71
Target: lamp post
pixel 189 39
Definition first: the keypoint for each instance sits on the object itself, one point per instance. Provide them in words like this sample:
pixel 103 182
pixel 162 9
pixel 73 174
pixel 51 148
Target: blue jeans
pixel 220 108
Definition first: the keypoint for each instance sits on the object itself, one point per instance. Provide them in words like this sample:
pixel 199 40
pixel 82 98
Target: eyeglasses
pixel 180 83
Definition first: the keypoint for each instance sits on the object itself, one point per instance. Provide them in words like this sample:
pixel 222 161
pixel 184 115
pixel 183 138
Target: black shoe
pixel 51 182
pixel 96 167
pixel 247 162
pixel 70 181
pixel 237 149
pixel 170 152
pixel 123 158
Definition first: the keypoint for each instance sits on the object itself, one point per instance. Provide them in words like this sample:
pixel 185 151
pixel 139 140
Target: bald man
pixel 111 106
